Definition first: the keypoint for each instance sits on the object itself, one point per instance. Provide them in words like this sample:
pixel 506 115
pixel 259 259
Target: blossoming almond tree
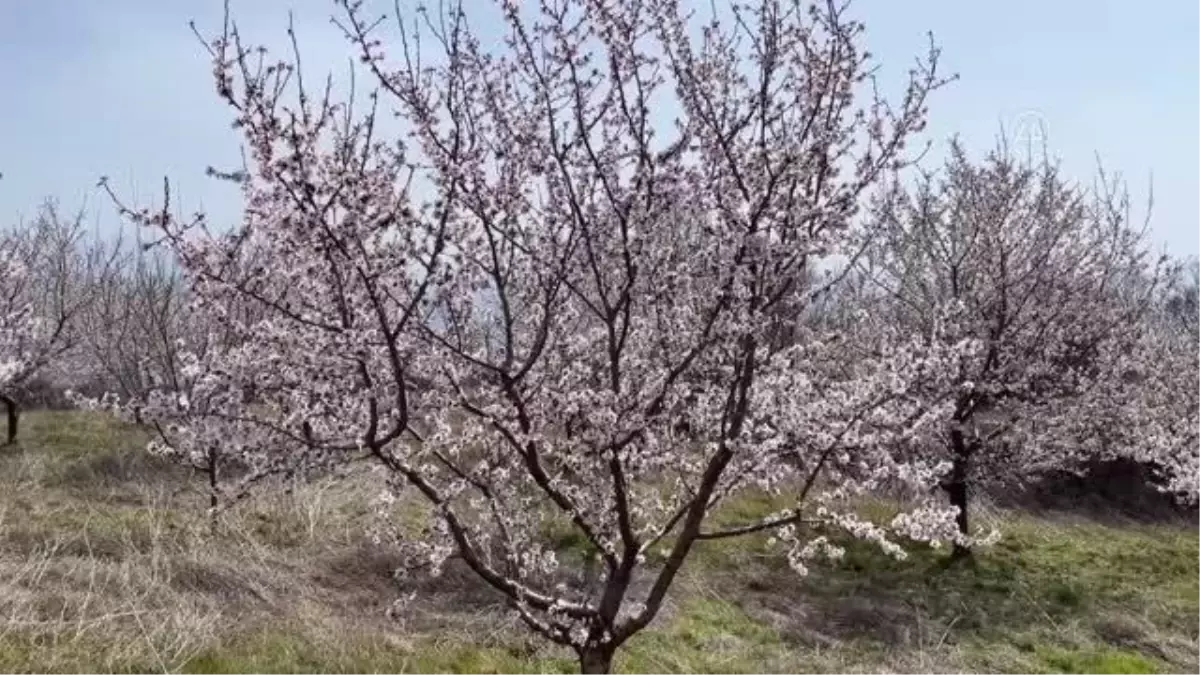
pixel 555 300
pixel 1178 361
pixel 1148 409
pixel 132 327
pixel 1052 279
pixel 177 391
pixel 47 269
pixel 159 359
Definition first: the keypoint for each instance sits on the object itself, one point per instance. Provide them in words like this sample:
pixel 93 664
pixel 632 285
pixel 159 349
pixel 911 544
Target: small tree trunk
pixel 956 487
pixel 14 417
pixel 213 498
pixel 213 502
pixel 596 660
pixel 956 490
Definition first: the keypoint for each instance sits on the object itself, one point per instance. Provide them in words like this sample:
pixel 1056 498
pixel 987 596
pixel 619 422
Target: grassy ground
pixel 106 564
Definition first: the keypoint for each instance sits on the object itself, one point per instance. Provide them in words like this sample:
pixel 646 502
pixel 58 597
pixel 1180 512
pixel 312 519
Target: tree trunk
pixel 596 660
pixel 213 496
pixel 14 417
pixel 956 487
pixel 213 502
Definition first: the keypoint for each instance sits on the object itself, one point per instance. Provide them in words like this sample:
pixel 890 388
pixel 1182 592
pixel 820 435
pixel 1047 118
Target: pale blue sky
pixel 122 88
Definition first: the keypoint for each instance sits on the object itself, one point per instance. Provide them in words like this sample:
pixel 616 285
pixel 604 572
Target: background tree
pixel 1182 296
pixel 154 357
pixel 47 270
pixel 1051 278
pixel 1147 407
pixel 133 326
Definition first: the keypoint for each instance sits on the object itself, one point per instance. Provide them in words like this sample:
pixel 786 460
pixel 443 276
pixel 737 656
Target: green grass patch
pixel 1102 660
pixel 275 651
pixel 709 635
